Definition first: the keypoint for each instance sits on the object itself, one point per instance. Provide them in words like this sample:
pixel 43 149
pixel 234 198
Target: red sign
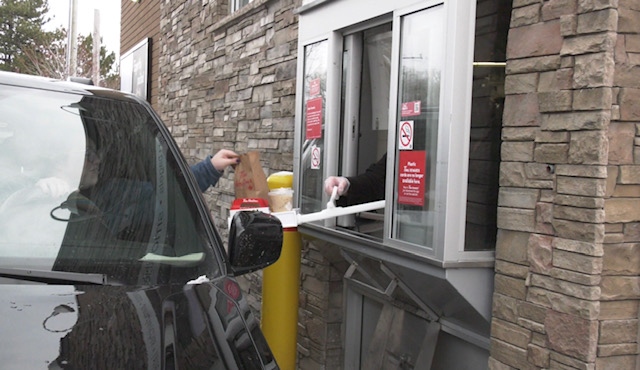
pixel 314 118
pixel 411 108
pixel 249 203
pixel 314 87
pixel 411 177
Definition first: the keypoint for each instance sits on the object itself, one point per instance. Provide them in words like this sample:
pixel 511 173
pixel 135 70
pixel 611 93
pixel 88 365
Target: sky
pixel 109 19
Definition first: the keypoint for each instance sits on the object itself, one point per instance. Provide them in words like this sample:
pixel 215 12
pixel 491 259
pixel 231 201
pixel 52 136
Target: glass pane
pixel 89 186
pixel 313 114
pixel 370 74
pixel 374 98
pixel 237 4
pixel 492 25
pixel 421 58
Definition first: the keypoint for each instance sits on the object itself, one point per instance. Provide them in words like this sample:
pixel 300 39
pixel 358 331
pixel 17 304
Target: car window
pixel 90 186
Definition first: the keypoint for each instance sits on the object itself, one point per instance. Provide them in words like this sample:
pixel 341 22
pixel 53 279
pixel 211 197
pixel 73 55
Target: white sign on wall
pixel 134 69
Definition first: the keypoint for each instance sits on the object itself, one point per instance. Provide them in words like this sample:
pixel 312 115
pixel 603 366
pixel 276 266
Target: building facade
pixel 526 249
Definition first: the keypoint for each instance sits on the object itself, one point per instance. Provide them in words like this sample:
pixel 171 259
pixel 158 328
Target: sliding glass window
pixel 420 76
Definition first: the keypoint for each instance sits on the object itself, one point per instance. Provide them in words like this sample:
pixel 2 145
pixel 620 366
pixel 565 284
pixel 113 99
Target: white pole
pixel 96 47
pixel 73 43
pixel 68 60
pixel 339 211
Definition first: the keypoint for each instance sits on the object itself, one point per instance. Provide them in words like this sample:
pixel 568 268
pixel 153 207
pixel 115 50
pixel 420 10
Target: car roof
pixel 48 83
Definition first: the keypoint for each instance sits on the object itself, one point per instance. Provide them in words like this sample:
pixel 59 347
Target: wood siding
pixel 139 21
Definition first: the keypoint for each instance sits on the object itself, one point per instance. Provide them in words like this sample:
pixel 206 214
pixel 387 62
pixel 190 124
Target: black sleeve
pixel 368 186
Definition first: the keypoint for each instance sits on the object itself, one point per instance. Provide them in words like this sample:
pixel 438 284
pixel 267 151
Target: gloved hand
pixel 341 182
pixel 53 186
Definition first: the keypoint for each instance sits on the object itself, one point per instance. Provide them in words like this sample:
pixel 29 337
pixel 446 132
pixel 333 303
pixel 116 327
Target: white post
pixel 73 39
pixel 96 47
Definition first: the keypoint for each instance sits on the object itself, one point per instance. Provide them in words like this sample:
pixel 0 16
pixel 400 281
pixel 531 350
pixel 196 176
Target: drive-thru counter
pixel 418 84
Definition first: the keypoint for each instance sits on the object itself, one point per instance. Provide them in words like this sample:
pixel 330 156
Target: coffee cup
pixel 281 200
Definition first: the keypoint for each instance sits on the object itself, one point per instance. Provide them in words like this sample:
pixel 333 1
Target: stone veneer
pixel 228 81
pixel 567 285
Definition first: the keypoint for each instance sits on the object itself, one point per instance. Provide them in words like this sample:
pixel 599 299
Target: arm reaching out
pixel 365 187
pixel 209 171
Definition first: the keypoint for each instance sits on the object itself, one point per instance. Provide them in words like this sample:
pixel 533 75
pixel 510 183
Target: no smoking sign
pixel 405 135
pixel 315 158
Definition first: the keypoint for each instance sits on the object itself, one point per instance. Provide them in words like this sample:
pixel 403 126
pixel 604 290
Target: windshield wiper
pixel 54 277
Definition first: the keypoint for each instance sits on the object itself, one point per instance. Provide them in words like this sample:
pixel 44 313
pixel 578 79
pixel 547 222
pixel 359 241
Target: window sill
pixel 422 262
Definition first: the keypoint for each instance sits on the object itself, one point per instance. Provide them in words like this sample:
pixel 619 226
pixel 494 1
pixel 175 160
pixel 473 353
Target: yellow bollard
pixel 280 290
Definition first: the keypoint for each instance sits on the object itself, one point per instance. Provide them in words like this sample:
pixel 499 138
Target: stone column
pixel 568 255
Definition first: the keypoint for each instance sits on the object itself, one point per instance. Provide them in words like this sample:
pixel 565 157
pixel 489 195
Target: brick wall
pixel 567 286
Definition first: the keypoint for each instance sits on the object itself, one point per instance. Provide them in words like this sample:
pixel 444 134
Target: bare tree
pixel 45 59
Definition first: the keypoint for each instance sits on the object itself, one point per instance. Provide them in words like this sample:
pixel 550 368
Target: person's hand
pixel 53 186
pixel 332 181
pixel 224 158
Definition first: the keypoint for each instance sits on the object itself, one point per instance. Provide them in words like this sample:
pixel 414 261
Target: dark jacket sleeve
pixel 206 175
pixel 368 186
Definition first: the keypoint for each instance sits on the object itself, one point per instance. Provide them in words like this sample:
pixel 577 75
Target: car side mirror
pixel 255 241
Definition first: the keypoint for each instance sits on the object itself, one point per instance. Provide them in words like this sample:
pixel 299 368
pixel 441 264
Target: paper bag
pixel 250 180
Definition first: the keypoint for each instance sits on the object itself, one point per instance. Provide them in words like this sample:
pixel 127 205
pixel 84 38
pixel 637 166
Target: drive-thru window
pixel 420 85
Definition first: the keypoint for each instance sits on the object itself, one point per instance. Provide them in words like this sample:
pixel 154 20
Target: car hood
pixel 201 325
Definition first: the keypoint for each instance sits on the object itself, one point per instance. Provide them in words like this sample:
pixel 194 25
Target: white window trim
pixel 235 5
pixel 453 132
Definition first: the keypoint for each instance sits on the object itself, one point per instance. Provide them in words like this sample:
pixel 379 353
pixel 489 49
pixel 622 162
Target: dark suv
pixel 108 254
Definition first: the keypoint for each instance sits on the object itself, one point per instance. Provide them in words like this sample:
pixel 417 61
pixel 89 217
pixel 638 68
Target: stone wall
pixel 567 286
pixel 228 81
pixel 320 325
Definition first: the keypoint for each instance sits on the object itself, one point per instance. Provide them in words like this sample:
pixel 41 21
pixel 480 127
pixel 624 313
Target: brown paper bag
pixel 250 180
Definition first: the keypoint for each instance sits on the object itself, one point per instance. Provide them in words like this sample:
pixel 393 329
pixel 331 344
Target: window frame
pixel 453 132
pixel 236 5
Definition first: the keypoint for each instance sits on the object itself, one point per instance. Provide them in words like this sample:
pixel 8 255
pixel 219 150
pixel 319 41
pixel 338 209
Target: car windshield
pixel 90 186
